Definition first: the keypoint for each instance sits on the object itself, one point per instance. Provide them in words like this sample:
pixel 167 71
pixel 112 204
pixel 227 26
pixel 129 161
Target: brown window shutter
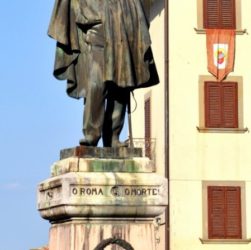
pixel 216 210
pixel 219 14
pixel 229 105
pixel 224 212
pixel 211 13
pixel 212 105
pixel 221 105
pixel 233 212
pixel 148 127
pixel 227 14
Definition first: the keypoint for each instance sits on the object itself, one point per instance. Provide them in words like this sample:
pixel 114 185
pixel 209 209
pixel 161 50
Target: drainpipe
pixel 166 30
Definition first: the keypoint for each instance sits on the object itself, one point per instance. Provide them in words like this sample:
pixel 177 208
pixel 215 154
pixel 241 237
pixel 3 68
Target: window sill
pixel 222 130
pixel 225 241
pixel 237 32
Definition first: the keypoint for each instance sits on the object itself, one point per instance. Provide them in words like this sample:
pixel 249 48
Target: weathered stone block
pixel 74 164
pixel 104 153
pixel 87 235
pixel 90 194
pixel 92 200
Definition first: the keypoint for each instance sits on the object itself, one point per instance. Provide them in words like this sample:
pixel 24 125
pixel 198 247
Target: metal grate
pixel 147 145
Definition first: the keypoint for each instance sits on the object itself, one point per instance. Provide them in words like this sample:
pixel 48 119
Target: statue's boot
pixel 86 142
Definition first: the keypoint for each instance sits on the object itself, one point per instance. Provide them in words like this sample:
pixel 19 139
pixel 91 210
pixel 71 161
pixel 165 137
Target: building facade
pixel 200 124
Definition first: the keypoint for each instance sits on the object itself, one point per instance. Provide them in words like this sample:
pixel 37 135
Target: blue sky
pixel 37 119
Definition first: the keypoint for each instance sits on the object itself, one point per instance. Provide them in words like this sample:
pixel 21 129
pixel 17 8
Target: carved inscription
pixel 134 191
pixel 116 191
pixel 87 191
pixel 52 194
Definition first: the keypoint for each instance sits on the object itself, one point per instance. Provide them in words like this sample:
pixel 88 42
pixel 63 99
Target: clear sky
pixel 37 119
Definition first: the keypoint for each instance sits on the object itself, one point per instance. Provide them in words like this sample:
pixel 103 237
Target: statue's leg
pixel 117 100
pixel 94 111
pixel 96 92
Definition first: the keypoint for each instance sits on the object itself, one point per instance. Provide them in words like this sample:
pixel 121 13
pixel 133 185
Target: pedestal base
pixel 90 194
pixel 97 235
pixel 94 202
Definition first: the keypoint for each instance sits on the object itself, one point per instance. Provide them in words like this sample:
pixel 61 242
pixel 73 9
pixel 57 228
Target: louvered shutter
pixel 212 105
pixel 224 212
pixel 221 105
pixel 216 210
pixel 229 105
pixel 148 127
pixel 219 14
pixel 233 212
pixel 227 14
pixel 211 13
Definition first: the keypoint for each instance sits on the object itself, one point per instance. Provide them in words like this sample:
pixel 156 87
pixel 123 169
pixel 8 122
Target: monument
pixel 105 197
pixel 103 51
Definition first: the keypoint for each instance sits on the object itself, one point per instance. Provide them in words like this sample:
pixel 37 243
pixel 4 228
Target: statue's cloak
pixel 128 60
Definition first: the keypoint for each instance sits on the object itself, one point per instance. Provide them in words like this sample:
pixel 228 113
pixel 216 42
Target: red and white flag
pixel 220 52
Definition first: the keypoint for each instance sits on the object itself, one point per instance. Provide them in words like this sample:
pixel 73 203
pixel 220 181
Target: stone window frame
pixel 200 27
pixel 202 127
pixel 205 239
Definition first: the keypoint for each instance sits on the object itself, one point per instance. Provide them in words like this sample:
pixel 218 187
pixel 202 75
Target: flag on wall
pixel 220 52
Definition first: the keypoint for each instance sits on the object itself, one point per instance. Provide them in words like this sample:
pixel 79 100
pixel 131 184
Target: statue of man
pixel 103 51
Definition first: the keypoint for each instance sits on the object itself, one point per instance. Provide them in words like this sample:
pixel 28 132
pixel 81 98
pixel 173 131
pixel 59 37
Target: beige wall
pixel 157 92
pixel 194 156
pixel 157 102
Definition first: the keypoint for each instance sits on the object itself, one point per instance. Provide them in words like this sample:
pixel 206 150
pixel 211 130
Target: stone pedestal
pixel 93 201
pixel 89 234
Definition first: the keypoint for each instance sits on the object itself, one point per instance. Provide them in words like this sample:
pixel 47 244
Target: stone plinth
pixel 75 164
pixel 91 194
pixel 91 200
pixel 88 235
pixel 101 153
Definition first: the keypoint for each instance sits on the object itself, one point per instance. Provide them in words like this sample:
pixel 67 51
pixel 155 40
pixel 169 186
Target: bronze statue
pixel 103 50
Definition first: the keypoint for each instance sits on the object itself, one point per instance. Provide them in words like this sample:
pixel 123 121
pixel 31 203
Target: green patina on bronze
pixel 104 52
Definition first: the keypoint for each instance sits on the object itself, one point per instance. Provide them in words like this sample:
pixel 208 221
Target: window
pixel 148 127
pixel 224 212
pixel 221 105
pixel 219 14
